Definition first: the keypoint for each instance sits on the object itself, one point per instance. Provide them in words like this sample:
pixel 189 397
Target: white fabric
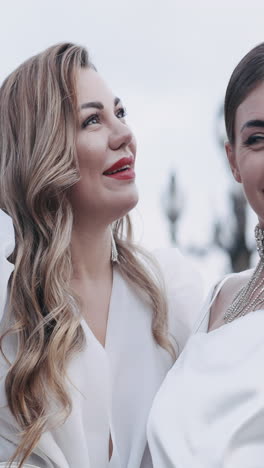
pixel 15 465
pixel 7 244
pixel 113 387
pixel 209 411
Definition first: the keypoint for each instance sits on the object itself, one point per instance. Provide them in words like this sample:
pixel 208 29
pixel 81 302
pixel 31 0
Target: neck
pixel 91 251
pixel 251 296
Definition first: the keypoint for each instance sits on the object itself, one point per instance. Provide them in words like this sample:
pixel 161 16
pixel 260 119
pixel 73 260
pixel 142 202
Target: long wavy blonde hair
pixel 37 167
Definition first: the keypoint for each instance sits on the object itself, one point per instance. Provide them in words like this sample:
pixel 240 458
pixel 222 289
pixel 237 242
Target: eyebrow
pixel 97 104
pixel 253 123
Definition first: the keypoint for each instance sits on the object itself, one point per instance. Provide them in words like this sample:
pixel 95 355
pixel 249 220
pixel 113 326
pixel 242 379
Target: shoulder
pixel 233 282
pixel 223 295
pixel 185 292
pixel 230 285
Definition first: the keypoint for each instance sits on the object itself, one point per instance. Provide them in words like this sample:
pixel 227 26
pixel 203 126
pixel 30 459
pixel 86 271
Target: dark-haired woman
pixel 87 330
pixel 209 412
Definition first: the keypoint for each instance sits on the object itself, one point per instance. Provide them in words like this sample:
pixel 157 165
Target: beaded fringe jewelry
pixel 251 296
pixel 114 251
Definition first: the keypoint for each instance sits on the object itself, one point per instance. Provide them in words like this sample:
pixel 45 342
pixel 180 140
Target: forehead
pixel 90 86
pixel 252 108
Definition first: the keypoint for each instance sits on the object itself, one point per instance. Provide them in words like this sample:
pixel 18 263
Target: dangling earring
pixel 114 251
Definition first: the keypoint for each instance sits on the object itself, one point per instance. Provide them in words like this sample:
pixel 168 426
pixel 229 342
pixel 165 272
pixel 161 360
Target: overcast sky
pixel 170 64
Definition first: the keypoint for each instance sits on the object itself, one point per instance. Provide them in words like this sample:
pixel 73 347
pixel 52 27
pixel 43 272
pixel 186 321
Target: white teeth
pixel 118 170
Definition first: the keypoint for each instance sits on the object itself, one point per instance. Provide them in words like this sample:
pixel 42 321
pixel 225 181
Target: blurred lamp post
pixel 220 128
pixel 172 205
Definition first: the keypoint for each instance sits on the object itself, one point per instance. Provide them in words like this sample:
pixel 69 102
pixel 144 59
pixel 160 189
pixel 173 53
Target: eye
pixel 121 113
pixel 254 140
pixel 91 120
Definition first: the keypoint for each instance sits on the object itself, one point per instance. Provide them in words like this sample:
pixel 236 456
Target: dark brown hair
pixel 247 75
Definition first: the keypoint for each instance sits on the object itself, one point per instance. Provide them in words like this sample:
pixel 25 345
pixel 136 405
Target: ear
pixel 232 161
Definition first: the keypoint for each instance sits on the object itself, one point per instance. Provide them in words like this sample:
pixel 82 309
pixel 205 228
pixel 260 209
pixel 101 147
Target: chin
pixel 129 204
pixel 125 204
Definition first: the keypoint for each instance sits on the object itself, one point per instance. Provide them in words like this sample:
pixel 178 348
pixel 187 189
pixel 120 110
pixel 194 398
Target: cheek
pixel 91 155
pixel 253 184
pixel 250 167
pixel 253 172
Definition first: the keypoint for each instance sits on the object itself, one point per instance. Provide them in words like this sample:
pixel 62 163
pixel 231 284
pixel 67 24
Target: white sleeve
pixel 8 427
pixel 185 293
pixel 9 443
pixel 46 454
pixel 246 448
pixel 7 449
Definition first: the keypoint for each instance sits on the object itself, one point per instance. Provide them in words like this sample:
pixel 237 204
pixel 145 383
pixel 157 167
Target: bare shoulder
pixel 235 282
pixel 225 297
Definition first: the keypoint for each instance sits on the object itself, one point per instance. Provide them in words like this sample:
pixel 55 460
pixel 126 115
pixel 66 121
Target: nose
pixel 121 135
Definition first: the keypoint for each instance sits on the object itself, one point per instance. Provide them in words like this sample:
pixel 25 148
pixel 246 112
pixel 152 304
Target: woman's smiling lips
pixel 122 169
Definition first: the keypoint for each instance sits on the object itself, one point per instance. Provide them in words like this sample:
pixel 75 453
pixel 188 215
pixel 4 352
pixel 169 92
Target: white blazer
pixel 209 411
pixel 111 388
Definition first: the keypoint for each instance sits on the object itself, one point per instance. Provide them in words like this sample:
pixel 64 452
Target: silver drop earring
pixel 114 251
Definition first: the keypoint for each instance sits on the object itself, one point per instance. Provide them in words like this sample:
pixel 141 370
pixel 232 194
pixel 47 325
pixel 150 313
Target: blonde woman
pixel 88 330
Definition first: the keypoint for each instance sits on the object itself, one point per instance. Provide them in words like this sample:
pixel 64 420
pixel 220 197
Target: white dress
pixel 209 411
pixel 113 387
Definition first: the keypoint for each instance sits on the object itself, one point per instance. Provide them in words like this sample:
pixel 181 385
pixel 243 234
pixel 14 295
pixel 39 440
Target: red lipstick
pixel 122 169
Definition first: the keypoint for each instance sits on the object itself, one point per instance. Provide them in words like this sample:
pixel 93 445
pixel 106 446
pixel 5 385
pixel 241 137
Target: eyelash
pixel 96 116
pixel 254 140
